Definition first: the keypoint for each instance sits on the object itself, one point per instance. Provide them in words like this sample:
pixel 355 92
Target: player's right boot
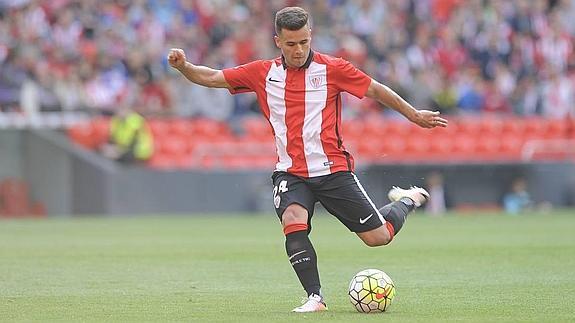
pixel 314 303
pixel 417 194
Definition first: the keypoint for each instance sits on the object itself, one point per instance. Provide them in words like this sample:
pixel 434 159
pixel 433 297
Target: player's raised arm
pixel 387 97
pixel 201 75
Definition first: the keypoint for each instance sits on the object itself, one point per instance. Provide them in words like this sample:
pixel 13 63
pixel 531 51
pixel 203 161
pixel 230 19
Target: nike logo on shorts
pixel 362 221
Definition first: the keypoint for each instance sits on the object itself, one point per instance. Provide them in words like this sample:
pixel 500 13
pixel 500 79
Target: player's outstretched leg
pixel 402 203
pixel 394 215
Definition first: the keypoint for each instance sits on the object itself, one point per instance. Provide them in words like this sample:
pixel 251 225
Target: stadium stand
pixel 503 72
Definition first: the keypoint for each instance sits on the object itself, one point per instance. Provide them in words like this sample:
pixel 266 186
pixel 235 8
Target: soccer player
pixel 299 93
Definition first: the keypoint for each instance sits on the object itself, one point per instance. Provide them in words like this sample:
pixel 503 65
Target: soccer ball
pixel 371 291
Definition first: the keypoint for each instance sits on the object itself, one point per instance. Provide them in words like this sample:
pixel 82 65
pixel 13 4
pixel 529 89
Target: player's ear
pixel 277 40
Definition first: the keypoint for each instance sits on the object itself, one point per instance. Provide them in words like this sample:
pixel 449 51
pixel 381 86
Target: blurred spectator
pixel 438 203
pixel 38 93
pixel 130 140
pixel 517 199
pixel 84 55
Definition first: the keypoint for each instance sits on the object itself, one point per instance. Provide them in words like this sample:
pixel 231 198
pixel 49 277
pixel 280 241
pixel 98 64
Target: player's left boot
pixel 417 194
pixel 314 303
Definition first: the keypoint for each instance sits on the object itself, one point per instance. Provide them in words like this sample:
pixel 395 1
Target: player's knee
pixel 377 242
pixel 294 214
pixel 376 239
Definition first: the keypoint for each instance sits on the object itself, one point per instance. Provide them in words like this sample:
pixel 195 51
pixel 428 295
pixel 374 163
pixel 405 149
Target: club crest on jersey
pixel 316 81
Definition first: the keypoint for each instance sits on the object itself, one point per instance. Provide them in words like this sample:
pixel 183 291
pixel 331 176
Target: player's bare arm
pixel 201 75
pixel 388 97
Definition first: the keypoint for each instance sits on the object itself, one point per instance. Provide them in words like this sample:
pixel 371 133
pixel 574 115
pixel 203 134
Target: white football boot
pixel 314 303
pixel 417 194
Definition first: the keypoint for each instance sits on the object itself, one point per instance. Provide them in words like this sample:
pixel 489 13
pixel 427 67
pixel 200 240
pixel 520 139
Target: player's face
pixel 295 45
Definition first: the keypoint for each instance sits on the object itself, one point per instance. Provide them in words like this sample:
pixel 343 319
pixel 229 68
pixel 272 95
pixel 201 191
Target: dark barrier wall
pixel 480 184
pixel 73 181
pixel 10 153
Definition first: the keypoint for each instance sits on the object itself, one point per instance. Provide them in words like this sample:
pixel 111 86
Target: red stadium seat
pixel 371 149
pixel 180 127
pixel 100 130
pixel 513 127
pixel 173 145
pixel 82 135
pixel 511 146
pixel 441 145
pixel 159 127
pixel 417 147
pixel 464 147
pixel 393 147
pixel 208 128
pixel 534 127
pixel 556 129
pixel 352 129
pixel 395 127
pixel 468 126
pixel 256 127
pixel 490 125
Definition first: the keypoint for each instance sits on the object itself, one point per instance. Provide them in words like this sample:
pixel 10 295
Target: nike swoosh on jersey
pixel 272 80
pixel 362 221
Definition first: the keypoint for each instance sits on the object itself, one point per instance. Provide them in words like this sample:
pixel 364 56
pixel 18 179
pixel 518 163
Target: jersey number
pixel 281 188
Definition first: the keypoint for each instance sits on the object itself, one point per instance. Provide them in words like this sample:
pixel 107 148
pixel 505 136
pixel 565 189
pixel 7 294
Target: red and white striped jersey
pixel 303 106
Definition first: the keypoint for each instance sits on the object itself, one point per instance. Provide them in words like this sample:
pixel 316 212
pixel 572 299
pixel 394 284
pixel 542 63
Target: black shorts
pixel 341 194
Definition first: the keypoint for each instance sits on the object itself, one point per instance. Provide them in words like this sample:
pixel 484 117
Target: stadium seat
pixel 513 127
pixel 100 130
pixel 557 128
pixel 440 145
pixel 395 127
pixel 372 149
pixel 535 127
pixel 374 127
pixel 464 147
pixel 256 127
pixel 173 145
pixel 210 129
pixel 491 125
pixel 418 147
pixel 82 135
pixel 392 147
pixel 159 127
pixel 180 127
pixel 511 146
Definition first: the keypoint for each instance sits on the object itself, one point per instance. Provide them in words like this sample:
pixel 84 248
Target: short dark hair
pixel 291 18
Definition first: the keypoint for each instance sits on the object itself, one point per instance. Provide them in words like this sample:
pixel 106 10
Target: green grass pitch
pixel 468 268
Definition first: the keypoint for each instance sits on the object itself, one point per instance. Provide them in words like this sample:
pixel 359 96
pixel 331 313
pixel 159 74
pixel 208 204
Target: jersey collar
pixel 305 65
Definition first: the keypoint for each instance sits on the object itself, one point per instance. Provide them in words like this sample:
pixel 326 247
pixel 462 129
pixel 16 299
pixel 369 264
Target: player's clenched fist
pixel 177 58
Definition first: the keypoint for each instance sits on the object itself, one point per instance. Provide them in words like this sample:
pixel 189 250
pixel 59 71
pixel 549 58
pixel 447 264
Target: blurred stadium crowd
pixel 459 56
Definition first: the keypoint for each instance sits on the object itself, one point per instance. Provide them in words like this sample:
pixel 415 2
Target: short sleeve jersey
pixel 303 106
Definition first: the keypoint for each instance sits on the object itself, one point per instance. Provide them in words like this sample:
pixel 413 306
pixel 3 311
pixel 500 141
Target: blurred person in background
pixel 130 139
pixel 518 199
pixel 438 205
pixel 299 93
